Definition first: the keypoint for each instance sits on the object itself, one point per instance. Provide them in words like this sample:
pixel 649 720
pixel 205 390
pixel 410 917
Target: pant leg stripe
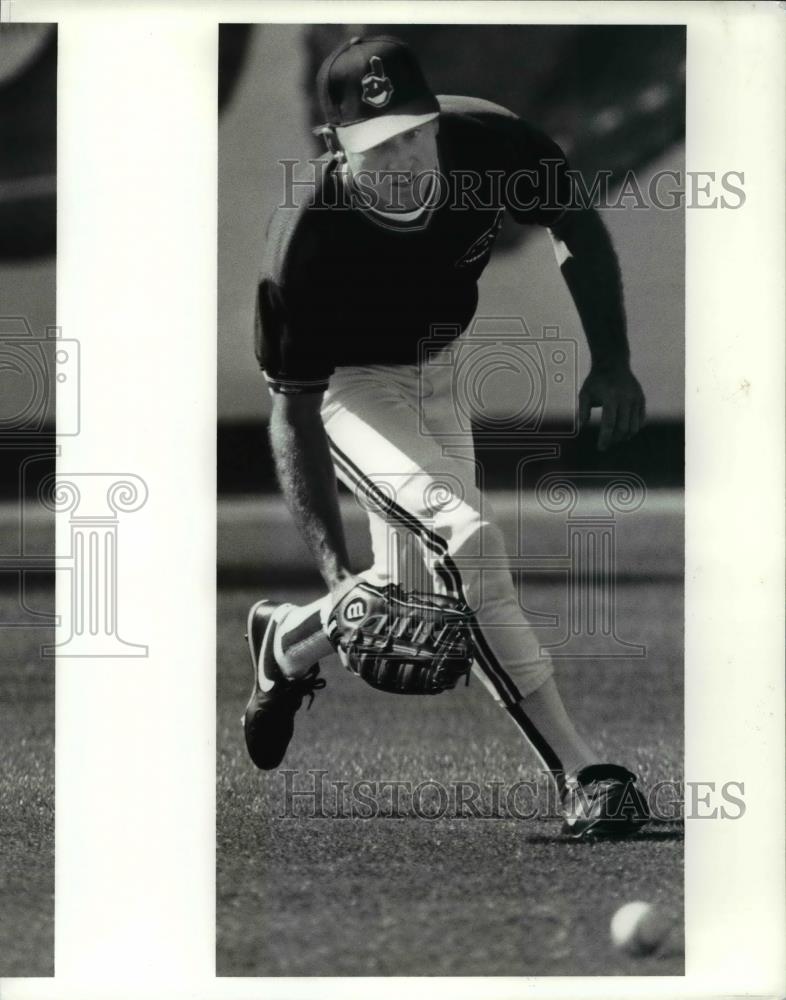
pixel 544 750
pixel 507 690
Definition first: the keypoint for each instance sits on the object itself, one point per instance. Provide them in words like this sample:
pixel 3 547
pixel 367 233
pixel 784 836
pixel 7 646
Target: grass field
pixel 406 895
pixel 27 794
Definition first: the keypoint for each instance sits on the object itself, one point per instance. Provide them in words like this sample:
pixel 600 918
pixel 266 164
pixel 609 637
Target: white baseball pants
pixel 386 425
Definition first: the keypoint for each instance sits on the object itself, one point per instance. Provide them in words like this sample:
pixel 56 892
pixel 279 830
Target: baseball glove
pixel 404 643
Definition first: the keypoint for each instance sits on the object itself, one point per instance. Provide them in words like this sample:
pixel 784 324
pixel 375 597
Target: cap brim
pixel 365 135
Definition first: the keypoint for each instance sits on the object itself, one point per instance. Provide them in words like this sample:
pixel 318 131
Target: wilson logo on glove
pixel 355 610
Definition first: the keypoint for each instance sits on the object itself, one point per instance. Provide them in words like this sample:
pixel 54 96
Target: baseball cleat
pixel 602 800
pixel 269 719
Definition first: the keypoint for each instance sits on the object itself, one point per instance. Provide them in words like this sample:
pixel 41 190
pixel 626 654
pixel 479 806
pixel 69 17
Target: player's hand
pixel 617 390
pixel 339 588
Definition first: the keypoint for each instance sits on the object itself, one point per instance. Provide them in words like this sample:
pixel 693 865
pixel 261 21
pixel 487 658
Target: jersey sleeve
pixel 536 187
pixel 292 341
pixel 539 192
pixel 286 342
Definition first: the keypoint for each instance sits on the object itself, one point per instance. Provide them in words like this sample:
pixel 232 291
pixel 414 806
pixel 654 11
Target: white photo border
pixel 135 872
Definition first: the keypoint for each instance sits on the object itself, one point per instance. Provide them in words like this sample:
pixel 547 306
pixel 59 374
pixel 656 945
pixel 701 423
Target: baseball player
pixel 380 245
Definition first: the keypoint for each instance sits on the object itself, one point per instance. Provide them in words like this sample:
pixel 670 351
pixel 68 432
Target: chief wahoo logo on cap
pixel 377 88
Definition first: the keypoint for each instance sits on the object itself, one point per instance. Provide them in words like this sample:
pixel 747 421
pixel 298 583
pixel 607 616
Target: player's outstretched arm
pixel 591 270
pixel 308 481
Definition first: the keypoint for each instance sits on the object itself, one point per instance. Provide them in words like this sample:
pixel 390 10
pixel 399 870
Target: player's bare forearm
pixel 308 482
pixel 591 270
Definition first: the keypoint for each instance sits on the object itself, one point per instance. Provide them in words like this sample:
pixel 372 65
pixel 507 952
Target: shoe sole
pixel 601 828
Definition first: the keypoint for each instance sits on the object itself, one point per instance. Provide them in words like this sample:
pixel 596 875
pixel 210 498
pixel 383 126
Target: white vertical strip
pixel 734 513
pixel 136 287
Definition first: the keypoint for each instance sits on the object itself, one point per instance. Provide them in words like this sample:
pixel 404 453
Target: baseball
pixel 639 928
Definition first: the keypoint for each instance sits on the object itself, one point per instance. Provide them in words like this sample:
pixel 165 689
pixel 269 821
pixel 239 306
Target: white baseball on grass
pixel 639 928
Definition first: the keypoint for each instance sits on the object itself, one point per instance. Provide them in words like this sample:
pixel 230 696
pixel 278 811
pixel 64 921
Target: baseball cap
pixel 371 89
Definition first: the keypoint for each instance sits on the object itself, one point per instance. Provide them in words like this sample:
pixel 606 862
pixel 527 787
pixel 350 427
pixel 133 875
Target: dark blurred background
pixel 613 96
pixel 28 208
pixel 28 156
pixel 28 126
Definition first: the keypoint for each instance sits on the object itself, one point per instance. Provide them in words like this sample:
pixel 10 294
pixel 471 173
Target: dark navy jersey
pixel 342 285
